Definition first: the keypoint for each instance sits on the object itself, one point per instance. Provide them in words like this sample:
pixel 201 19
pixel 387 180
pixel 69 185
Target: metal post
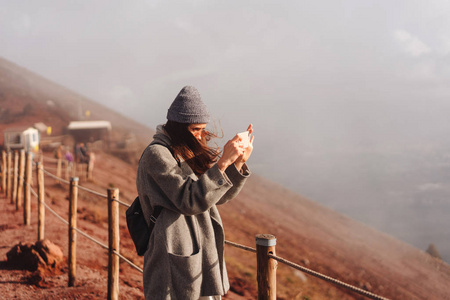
pixel 266 267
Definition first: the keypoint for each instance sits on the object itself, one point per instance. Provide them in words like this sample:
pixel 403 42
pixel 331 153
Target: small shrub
pixel 433 251
pixel 94 216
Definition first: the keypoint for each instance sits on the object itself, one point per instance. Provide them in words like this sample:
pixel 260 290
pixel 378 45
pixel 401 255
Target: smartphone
pixel 245 138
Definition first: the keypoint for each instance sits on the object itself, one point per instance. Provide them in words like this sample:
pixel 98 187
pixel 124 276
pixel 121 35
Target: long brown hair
pixel 196 153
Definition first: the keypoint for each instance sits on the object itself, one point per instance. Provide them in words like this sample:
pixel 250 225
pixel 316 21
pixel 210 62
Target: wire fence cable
pixel 246 248
pixel 55 177
pixel 311 272
pixel 122 203
pixel 79 186
pixel 327 278
pixel 86 235
pixel 85 189
pixel 240 246
pixel 127 261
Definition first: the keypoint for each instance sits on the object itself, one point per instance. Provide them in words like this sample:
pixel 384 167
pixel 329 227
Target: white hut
pixel 26 138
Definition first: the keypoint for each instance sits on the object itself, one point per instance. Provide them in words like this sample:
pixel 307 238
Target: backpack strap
pixel 157 210
pixel 168 147
pixel 155 214
pixel 161 144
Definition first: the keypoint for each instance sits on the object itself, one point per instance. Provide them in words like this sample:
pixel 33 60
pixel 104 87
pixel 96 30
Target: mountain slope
pixel 307 233
pixel 25 95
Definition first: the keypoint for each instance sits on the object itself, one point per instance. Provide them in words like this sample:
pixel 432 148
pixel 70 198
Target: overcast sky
pixel 312 76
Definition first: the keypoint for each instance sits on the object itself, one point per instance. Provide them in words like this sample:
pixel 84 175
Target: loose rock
pixel 42 255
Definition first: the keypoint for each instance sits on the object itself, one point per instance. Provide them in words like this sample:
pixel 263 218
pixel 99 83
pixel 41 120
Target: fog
pixel 349 99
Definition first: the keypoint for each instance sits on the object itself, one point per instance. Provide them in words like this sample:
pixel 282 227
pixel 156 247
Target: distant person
pixel 69 159
pixel 69 156
pixel 84 153
pixel 90 166
pixel 58 152
pixel 183 179
pixel 81 153
pixel 78 153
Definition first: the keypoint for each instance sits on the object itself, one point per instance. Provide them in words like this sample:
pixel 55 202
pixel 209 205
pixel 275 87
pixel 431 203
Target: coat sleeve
pixel 237 179
pixel 180 192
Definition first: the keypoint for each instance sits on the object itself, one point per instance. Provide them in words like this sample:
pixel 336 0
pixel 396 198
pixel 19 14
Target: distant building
pixel 43 129
pixel 90 131
pixel 26 138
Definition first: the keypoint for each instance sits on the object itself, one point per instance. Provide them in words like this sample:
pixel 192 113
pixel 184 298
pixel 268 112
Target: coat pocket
pixel 186 275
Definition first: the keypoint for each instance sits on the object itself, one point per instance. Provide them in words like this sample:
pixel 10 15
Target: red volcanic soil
pixel 92 259
pixel 307 233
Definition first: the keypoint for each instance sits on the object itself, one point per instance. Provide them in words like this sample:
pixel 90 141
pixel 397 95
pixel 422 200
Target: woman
pixel 183 180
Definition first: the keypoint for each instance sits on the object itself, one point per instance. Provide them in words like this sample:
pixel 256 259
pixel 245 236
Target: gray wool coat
pixel 185 257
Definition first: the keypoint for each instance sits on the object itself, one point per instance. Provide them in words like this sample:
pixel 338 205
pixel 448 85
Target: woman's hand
pixel 231 152
pixel 247 151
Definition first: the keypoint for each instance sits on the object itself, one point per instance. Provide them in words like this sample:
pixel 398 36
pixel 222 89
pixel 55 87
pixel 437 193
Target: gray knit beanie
pixel 188 107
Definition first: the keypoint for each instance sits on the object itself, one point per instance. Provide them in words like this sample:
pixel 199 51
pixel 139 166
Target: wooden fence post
pixel 15 175
pixel 8 174
pixel 113 239
pixel 27 189
pixel 66 170
pixel 74 169
pixel 90 166
pixel 41 200
pixel 4 168
pixel 80 171
pixel 58 168
pixel 21 174
pixel 266 267
pixel 72 231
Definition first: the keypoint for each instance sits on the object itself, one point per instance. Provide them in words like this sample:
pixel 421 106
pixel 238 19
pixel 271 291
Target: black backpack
pixel 138 228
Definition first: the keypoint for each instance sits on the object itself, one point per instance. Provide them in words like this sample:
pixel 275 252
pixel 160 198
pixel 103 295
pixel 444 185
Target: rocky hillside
pixel 307 233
